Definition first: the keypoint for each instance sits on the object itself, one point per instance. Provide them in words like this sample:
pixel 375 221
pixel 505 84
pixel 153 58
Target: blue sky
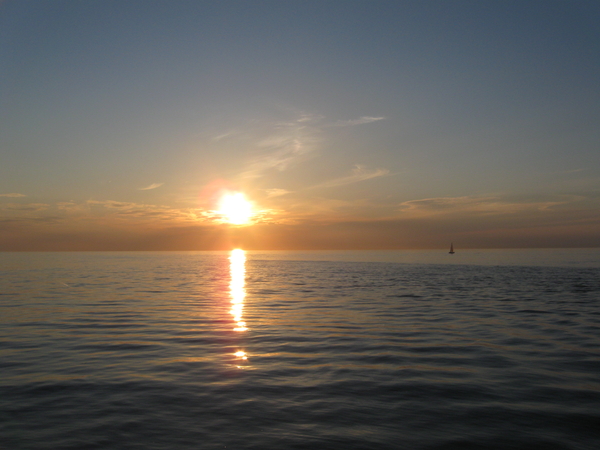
pixel 348 124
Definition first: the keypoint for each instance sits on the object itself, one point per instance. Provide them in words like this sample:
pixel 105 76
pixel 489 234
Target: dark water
pixel 194 351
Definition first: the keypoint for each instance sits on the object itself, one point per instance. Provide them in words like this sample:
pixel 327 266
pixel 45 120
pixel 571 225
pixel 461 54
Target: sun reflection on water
pixel 241 354
pixel 237 270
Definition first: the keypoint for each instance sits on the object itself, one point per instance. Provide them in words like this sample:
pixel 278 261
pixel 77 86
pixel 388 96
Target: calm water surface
pixel 300 350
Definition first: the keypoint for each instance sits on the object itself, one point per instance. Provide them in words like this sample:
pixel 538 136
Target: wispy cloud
pixel 13 195
pixel 160 215
pixel 276 192
pixel 570 171
pixel 277 146
pixel 25 207
pixel 285 144
pixel 483 205
pixel 132 212
pixel 224 135
pixel 360 121
pixel 114 212
pixel 359 173
pixel 152 186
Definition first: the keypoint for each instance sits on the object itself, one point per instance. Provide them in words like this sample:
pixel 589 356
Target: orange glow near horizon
pixel 236 209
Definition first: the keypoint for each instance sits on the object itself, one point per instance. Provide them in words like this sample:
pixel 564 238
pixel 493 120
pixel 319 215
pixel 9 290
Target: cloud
pixel 72 207
pixel 20 223
pixel 158 215
pixel 27 207
pixel 13 195
pixel 152 186
pixel 563 172
pixel 309 223
pixel 277 146
pixel 360 121
pixel 276 192
pixel 284 144
pixel 359 173
pixel 132 214
pixel 224 135
pixel 483 205
pixel 109 213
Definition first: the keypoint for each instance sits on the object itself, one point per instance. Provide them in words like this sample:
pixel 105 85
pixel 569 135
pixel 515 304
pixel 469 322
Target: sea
pixel 483 349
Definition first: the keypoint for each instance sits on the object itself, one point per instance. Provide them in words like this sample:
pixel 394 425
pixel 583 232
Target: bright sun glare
pixel 236 209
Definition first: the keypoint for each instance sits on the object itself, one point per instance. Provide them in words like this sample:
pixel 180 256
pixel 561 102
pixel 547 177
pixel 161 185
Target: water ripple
pixel 124 351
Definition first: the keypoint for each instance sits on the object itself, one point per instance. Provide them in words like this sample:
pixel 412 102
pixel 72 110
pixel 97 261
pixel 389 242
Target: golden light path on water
pixel 237 270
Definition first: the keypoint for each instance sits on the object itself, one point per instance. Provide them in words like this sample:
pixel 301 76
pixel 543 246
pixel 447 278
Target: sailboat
pixel 451 249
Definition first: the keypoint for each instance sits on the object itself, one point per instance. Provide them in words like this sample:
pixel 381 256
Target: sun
pixel 236 209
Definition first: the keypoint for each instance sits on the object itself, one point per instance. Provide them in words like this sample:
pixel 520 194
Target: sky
pixel 347 124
